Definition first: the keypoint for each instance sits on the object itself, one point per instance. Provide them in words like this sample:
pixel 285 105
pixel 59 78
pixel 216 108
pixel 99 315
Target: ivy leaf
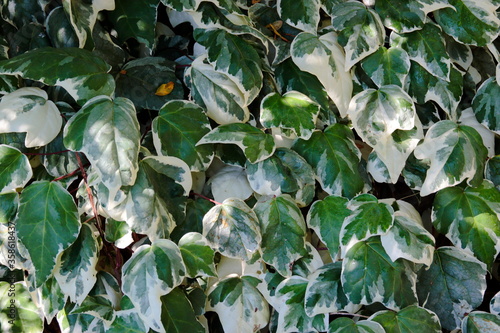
pixel 107 131
pixel 9 203
pixel 402 15
pixel 495 304
pixel 283 232
pixel 411 319
pixel 492 171
pixel 368 217
pixel 326 217
pixel 27 318
pixel 75 269
pixel 83 75
pixel 60 30
pixel 50 298
pixel 369 276
pixel 334 158
pixel 426 47
pixel 232 228
pixel 456 153
pixel 177 129
pixel 387 66
pixel 181 5
pixel 140 79
pixel 486 105
pixel 230 182
pixel 284 172
pixel 361 30
pixel 256 144
pixel 28 110
pixel 47 228
pixel 127 321
pixel 292 315
pixel 216 92
pixel 470 218
pixel 136 19
pixel 324 58
pixel 453 286
pixel 303 15
pixel 470 22
pixel 240 306
pixel 324 293
pixel 157 200
pixel 293 110
pixel 235 57
pixel 345 325
pixel 479 321
pixel 197 255
pixel 152 271
pixel 177 314
pixel 15 169
pixel 99 307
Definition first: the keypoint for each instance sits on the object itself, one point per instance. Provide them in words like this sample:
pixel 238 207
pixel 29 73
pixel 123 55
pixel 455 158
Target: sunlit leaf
pixel 197 255
pixel 15 169
pixel 302 14
pixel 25 317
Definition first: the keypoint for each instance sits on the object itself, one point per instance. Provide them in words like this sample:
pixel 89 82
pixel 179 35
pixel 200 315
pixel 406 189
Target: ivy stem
pixel 67 176
pixel 206 198
pixel 46 154
pixel 348 314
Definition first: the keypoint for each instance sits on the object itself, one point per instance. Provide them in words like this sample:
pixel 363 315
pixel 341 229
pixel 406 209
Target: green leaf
pixel 292 315
pixel 427 48
pixel 412 319
pixel 177 314
pixel 216 92
pixel 152 271
pixel 83 16
pixel 369 217
pixel 21 13
pixel 326 217
pixel 127 321
pixel 303 15
pixel 324 58
pixel 369 276
pixel 495 304
pixel 135 19
pixel 294 111
pixel 48 227
pixel 29 110
pixel 347 325
pixel 452 286
pixel 470 22
pixel 486 104
pixel 193 222
pixel 334 158
pixel 455 152
pixel 9 203
pixel 15 169
pixel 75 269
pixel 401 15
pixel 51 299
pixel 60 30
pixel 324 293
pixel 492 171
pixel 240 306
pixel 425 87
pixel 96 306
pixel 24 317
pixel 283 232
pixel 181 5
pixel 107 131
pixel 83 75
pixel 387 66
pixel 157 200
pixel 197 255
pixel 232 228
pixel 140 79
pixel 235 57
pixel 470 218
pixel 361 30
pixel 256 144
pixel 284 172
pixel 177 129
pixel 118 233
pixel 481 322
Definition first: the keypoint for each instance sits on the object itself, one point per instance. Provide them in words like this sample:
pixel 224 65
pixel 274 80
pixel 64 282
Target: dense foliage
pixel 244 166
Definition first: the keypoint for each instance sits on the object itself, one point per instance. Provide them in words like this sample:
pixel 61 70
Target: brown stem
pixel 206 198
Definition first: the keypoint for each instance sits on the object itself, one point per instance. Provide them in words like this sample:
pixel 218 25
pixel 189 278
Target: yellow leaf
pixel 165 89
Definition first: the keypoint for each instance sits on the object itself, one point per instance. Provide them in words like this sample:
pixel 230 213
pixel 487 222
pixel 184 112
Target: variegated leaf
pixel 480 321
pixel 467 117
pixel 232 228
pixel 107 131
pixel 361 31
pixel 486 104
pixel 97 306
pixel 455 153
pixel 411 319
pixel 294 111
pixel 197 255
pixel 15 169
pixel 495 304
pixel 401 15
pixel 230 182
pixel 324 57
pixel 283 232
pixel 387 66
pixel 302 14
pixel 152 271
pixel 344 325
pixel 27 318
pixel 256 144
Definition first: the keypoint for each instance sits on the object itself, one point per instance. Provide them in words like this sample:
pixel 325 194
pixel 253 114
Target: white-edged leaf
pixel 486 104
pixel 302 14
pixel 412 319
pixel 324 57
pixel 344 325
pixel 387 66
pixel 467 117
pixel 401 15
pixel 232 228
pixel 29 110
pixel 481 322
pixel 152 271
pixel 49 298
pixel 15 169
pixel 495 304
pixel 197 255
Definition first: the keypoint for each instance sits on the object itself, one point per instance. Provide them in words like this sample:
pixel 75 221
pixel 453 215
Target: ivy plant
pixel 249 166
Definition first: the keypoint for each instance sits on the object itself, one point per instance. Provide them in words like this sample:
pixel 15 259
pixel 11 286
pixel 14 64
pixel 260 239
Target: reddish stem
pixel 46 154
pixel 206 198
